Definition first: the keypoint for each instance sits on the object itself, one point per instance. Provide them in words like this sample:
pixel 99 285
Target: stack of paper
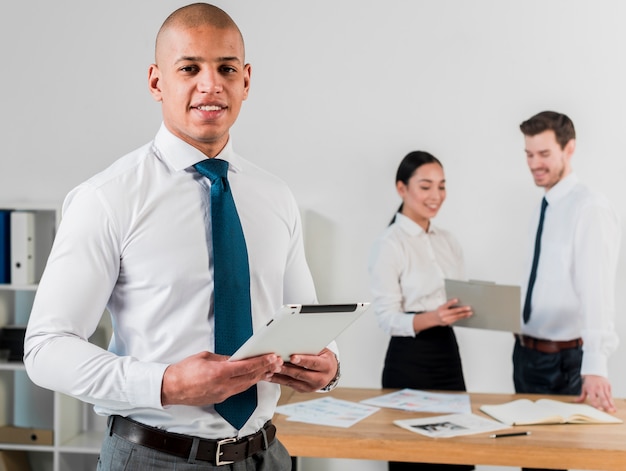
pixel 327 411
pixel 422 401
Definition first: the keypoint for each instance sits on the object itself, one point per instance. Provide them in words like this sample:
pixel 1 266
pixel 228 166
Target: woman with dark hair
pixel 407 267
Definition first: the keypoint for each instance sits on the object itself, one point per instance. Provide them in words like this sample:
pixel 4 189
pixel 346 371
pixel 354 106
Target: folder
pixel 496 307
pixel 22 247
pixel 5 246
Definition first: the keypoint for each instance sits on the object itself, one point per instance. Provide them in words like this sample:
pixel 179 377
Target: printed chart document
pixel 415 400
pixel 327 411
pixel 453 425
pixel 547 411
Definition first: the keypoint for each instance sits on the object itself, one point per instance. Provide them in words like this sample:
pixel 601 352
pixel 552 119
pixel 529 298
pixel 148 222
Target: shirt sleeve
pixel 81 272
pixel 385 267
pixel 597 245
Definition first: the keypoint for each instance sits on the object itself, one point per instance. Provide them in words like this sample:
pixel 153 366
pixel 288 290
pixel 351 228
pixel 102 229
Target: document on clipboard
pixel 301 328
pixel 495 307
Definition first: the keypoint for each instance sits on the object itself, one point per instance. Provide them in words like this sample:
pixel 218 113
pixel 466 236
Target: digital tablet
pixel 301 328
pixel 496 307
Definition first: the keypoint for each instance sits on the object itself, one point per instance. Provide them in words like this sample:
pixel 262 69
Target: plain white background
pixel 341 91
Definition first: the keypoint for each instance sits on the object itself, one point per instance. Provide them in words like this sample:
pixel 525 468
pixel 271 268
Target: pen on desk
pixel 514 434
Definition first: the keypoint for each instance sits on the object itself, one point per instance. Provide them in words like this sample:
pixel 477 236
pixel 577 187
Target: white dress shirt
pixel 407 270
pixel 574 292
pixel 133 239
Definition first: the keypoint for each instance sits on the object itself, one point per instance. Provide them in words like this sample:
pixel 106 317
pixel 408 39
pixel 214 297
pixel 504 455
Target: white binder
pixel 22 247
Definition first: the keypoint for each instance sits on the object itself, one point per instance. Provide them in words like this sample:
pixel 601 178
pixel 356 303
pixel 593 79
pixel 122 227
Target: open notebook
pixel 547 411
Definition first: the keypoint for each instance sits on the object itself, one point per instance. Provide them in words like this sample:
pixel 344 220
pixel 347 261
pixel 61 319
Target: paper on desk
pixel 327 411
pixel 421 401
pixel 453 425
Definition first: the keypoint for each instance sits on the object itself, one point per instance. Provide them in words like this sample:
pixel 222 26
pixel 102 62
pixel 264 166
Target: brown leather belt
pixel 216 452
pixel 548 346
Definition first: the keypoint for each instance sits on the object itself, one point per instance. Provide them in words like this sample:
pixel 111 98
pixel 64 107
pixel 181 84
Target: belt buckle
pixel 218 451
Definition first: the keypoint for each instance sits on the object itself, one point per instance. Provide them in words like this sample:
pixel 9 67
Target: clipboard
pixel 496 307
pixel 300 328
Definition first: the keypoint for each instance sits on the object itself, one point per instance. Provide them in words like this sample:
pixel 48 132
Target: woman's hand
pixel 450 312
pixel 444 315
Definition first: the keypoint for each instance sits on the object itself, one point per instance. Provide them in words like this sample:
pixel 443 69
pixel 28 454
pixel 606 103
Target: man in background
pixel 136 239
pixel 568 317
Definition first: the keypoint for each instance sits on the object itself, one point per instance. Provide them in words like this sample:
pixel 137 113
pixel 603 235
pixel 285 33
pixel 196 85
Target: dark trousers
pixel 535 372
pixel 430 360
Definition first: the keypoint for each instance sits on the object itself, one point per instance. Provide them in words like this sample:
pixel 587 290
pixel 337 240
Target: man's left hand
pixel 597 389
pixel 307 373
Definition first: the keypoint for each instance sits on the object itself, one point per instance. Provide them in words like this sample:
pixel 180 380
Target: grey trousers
pixel 118 454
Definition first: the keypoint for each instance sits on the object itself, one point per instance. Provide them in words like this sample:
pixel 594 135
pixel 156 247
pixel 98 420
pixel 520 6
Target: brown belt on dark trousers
pixel 216 452
pixel 547 346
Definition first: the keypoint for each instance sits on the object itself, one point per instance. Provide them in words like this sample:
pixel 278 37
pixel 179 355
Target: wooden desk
pixel 596 447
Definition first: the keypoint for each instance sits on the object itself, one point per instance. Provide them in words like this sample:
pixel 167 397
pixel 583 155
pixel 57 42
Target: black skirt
pixel 430 360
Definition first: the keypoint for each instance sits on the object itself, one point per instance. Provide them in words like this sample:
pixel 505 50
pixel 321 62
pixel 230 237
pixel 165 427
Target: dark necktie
pixel 231 279
pixel 533 270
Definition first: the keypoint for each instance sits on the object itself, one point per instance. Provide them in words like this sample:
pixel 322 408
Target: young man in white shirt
pixel 135 239
pixel 567 330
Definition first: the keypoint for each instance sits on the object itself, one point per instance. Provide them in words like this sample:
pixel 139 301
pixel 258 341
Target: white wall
pixel 341 91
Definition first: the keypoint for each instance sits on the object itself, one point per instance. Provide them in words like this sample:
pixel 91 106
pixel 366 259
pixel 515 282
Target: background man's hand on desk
pixel 597 389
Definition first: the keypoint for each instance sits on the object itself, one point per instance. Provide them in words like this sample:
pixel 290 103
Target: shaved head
pixel 193 16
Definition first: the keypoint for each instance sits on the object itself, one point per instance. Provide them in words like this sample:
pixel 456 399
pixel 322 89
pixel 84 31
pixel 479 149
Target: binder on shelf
pixel 12 341
pixel 32 234
pixel 33 406
pixel 5 246
pixel 22 247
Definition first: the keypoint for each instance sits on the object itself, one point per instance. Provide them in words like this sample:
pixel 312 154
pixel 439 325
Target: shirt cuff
pixel 594 363
pixel 144 382
pixel 404 326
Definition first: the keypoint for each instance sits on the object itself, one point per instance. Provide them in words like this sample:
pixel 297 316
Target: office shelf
pixel 77 431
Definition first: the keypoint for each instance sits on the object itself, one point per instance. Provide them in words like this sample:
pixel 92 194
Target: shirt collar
pixel 411 227
pixel 562 188
pixel 180 155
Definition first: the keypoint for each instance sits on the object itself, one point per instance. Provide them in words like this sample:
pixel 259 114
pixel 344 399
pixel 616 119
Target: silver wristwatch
pixel 335 381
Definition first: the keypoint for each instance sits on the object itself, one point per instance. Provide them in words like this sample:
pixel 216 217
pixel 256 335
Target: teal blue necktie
pixel 231 279
pixel 533 269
